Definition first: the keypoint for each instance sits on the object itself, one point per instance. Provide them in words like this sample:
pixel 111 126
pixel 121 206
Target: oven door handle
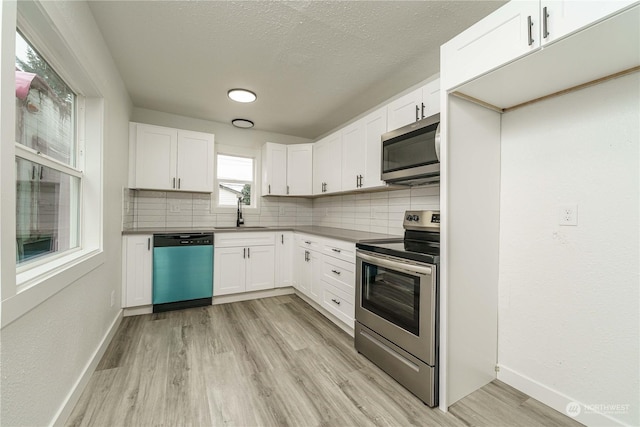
pixel 396 265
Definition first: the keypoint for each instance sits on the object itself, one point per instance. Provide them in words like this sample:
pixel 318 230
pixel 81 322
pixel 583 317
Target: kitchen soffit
pixel 315 64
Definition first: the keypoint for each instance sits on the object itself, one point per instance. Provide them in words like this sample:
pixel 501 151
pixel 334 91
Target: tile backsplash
pixel 379 212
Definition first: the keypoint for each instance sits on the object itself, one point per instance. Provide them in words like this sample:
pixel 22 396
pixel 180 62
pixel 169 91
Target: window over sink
pixel 235 181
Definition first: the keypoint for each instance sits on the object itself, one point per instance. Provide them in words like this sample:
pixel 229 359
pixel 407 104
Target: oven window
pixel 392 295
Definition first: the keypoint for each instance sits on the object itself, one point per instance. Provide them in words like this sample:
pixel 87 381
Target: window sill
pixel 40 283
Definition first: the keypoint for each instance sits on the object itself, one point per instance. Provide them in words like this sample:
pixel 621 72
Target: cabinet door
pixel 353 155
pixel 261 262
pixel 299 169
pixel 229 271
pixel 274 169
pixel 302 270
pixel 137 267
pixel 284 260
pixel 431 98
pixel 195 161
pixel 155 157
pixel 315 275
pixel 567 16
pixel 327 164
pixel 404 110
pixel 375 124
pixel 495 40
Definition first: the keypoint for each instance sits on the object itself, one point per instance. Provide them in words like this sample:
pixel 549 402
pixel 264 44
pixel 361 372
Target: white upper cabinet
pixel 274 169
pixel 195 161
pixel 286 169
pixel 299 169
pixel 361 152
pixel 562 17
pixel 506 34
pixel 515 30
pixel 417 105
pixel 327 164
pixel 170 159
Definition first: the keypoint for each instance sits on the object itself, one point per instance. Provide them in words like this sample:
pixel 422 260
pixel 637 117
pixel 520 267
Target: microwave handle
pixel 437 142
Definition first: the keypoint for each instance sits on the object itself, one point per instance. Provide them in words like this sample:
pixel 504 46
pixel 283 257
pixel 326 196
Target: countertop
pixel 353 236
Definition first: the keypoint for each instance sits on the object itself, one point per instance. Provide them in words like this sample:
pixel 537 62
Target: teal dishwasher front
pixel 182 271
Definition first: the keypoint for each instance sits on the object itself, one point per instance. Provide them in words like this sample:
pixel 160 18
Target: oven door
pixel 396 298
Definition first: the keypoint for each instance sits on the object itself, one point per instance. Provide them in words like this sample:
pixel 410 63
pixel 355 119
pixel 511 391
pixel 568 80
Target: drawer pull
pixel 335 300
pixel 307 242
pixel 336 272
pixel 336 250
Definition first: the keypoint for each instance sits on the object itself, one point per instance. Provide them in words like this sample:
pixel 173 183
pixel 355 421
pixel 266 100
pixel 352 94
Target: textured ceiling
pixel 313 64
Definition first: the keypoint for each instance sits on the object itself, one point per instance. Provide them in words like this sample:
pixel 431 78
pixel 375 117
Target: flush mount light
pixel 242 95
pixel 242 123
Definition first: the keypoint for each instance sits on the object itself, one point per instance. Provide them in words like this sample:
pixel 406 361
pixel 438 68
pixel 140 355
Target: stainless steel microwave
pixel 411 154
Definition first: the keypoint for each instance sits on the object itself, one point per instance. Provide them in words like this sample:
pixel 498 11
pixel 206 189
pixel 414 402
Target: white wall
pixel 45 352
pixel 226 134
pixel 569 296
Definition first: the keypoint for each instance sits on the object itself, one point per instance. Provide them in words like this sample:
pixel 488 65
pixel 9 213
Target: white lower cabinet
pixel 137 270
pixel 324 271
pixel 243 262
pixel 284 259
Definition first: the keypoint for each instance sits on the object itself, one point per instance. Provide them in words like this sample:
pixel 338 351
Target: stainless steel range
pixel 397 304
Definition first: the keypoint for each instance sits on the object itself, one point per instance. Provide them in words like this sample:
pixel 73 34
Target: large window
pixel 235 180
pixel 48 170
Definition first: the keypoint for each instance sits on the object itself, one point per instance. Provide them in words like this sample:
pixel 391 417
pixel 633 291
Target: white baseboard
pixel 556 400
pixel 136 311
pixel 247 296
pixel 65 410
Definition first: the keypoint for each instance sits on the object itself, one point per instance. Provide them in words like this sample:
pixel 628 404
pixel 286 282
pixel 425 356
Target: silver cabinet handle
pixel 287 189
pixel 417 113
pixel 149 244
pixel 545 28
pixel 530 29
pixel 307 242
pixel 33 173
pixel 335 300
pixel 178 182
pixel 248 252
pixel 423 110
pixel 174 183
pixel 269 188
pixel 282 239
pixel 336 250
pixel 244 252
pixel 336 272
pixel 41 172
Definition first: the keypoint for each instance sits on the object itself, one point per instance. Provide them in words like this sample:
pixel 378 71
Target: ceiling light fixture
pixel 242 95
pixel 242 123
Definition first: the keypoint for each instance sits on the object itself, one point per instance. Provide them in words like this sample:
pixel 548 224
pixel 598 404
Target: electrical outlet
pixel 113 298
pixel 568 215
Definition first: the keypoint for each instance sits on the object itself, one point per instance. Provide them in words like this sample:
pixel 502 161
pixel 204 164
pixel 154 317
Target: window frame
pixel 24 288
pixel 254 154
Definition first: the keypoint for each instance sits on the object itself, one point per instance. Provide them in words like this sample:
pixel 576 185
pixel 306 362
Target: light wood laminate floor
pixel 269 362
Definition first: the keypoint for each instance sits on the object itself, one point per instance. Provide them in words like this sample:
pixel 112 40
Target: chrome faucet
pixel 239 219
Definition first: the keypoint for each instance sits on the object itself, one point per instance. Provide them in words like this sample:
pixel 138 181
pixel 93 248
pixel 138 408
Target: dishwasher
pixel 182 271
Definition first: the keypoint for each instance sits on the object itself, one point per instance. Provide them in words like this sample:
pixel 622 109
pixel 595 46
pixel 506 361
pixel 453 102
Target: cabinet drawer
pixel 309 241
pixel 340 274
pixel 342 250
pixel 334 301
pixel 242 238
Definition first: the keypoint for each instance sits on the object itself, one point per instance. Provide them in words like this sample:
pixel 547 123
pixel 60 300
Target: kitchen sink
pixel 248 227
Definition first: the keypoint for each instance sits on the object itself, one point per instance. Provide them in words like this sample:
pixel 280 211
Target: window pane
pixel 235 168
pixel 46 210
pixel 45 106
pixel 229 192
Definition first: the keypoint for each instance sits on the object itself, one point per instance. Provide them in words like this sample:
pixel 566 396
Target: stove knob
pixel 416 218
pixel 409 218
